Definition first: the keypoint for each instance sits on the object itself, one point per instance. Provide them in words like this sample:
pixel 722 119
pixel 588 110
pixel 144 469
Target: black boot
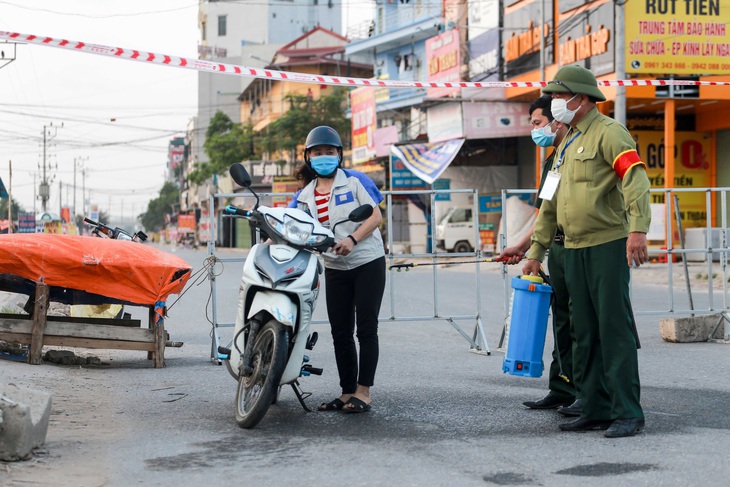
pixel 574 409
pixel 547 402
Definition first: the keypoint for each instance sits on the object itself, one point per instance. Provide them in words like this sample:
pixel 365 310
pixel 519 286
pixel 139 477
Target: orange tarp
pixel 124 270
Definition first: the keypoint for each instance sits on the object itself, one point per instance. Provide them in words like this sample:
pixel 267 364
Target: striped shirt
pixel 322 201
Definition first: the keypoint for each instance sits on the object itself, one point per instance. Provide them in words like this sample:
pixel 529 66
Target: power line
pixel 74 14
pixel 87 120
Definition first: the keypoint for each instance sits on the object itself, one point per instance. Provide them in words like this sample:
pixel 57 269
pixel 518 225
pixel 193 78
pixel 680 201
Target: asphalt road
pixel 441 415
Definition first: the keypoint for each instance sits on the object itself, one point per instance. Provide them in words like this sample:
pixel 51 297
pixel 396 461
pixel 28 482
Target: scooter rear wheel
pixel 256 392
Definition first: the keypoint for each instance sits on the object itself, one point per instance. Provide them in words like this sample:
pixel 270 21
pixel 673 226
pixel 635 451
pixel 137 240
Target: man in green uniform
pixel 598 194
pixel 548 132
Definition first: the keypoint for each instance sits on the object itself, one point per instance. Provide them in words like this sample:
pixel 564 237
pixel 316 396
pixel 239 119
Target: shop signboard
pixel 442 184
pixel 444 62
pixel 492 203
pixel 691 170
pixel 364 123
pixel 204 230
pixel 484 57
pixel 586 38
pixel 26 223
pixel 444 122
pixel 483 16
pixel 496 119
pixel 524 33
pixel 283 184
pixel 55 227
pixel 263 172
pixel 186 223
pixel 177 153
pixel 669 37
pixel 402 178
pixel 486 233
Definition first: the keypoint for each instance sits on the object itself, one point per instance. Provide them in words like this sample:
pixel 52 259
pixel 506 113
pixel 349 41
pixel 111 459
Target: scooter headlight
pixel 295 231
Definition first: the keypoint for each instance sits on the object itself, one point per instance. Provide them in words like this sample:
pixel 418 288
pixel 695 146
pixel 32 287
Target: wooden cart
pixel 83 270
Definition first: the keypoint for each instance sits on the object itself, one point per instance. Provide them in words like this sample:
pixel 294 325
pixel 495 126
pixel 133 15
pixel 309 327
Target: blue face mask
pixel 325 165
pixel 542 136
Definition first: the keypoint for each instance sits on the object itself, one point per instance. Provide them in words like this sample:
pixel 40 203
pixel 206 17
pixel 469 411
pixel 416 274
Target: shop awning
pixel 428 161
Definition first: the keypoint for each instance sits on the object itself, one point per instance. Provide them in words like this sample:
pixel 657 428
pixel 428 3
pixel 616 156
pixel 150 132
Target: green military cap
pixel 575 80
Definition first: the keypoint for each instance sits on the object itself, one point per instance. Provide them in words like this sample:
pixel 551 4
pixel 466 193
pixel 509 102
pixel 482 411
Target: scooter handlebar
pixel 100 226
pixel 232 210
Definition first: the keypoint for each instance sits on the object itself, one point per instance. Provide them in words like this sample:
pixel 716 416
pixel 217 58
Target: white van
pixel 455 231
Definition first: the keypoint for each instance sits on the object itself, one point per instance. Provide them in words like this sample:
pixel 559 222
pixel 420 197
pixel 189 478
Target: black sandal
pixel 356 406
pixel 334 405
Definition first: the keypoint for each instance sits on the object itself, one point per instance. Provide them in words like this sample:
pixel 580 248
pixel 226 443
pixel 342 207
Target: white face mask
pixel 560 111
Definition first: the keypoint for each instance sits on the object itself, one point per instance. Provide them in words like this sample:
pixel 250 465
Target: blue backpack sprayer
pixel 528 326
pixel 529 311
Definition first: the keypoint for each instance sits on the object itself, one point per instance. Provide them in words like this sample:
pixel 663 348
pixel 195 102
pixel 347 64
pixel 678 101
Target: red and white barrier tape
pixel 235 70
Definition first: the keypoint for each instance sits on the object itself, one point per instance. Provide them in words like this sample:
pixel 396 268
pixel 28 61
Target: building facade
pixel 680 131
pixel 242 34
pixel 529 40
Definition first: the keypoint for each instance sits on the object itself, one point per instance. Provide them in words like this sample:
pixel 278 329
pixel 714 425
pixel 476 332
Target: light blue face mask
pixel 542 137
pixel 325 166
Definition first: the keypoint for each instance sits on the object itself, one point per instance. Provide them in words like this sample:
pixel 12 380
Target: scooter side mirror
pixel 361 213
pixel 240 175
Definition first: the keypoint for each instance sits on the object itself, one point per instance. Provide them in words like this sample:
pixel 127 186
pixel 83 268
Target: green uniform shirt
pixel 603 192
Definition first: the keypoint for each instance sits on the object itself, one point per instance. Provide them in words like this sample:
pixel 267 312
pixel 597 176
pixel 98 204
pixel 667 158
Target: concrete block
pixel 692 329
pixel 24 416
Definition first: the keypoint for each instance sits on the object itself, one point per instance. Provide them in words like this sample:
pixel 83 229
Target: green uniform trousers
pixel 566 391
pixel 604 350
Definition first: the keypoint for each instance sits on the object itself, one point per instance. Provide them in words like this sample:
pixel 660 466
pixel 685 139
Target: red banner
pixel 364 123
pixel 177 152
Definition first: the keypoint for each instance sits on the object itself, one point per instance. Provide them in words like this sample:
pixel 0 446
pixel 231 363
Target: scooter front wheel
pixel 257 392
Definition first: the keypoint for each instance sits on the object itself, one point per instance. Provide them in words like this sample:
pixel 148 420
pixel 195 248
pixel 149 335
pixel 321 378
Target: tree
pixel 291 129
pixel 15 209
pixel 154 218
pixel 225 143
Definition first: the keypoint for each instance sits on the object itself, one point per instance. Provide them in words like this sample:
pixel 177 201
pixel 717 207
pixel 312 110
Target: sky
pixel 118 116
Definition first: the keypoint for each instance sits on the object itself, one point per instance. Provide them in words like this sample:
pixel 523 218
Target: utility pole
pixel 60 198
pixel 83 191
pixel 10 199
pixel 619 107
pixel 44 189
pixel 73 206
pixel 77 164
pixel 35 195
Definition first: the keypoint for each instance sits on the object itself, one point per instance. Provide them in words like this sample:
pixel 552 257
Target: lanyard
pixel 562 153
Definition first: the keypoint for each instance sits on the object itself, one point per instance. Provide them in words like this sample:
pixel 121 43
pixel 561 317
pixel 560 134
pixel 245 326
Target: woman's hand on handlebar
pixel 344 246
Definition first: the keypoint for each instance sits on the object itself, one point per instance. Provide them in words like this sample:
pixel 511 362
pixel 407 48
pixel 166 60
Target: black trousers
pixel 355 296
pixel 566 391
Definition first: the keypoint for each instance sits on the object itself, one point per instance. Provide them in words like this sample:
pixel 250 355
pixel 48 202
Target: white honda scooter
pixel 278 292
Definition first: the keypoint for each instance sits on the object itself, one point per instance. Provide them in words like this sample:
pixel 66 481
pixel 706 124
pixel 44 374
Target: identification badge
pixel 550 186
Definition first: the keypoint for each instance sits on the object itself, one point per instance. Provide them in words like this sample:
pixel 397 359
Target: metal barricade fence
pixel 712 247
pixel 477 340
